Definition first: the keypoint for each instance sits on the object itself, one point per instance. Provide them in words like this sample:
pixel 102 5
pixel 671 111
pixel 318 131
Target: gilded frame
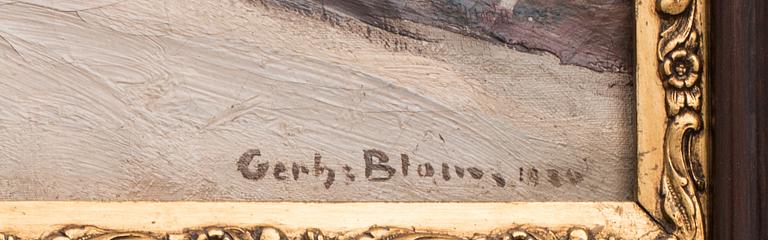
pixel 672 193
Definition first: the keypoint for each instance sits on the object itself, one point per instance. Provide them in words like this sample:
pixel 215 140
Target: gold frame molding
pixel 672 194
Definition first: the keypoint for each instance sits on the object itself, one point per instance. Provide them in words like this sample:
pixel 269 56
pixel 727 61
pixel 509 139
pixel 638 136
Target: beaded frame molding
pixel 672 192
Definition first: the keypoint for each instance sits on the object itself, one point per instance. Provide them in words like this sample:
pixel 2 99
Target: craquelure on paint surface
pixel 146 100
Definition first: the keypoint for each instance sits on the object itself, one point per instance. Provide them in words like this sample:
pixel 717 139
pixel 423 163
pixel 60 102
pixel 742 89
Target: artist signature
pixel 378 168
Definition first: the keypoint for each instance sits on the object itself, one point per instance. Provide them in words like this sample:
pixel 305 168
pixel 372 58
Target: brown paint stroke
pixel 596 34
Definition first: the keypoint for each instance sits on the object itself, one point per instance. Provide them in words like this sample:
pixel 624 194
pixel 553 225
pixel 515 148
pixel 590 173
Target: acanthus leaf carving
pixel 680 70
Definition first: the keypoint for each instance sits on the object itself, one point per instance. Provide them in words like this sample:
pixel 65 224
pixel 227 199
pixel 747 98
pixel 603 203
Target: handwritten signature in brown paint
pixel 378 168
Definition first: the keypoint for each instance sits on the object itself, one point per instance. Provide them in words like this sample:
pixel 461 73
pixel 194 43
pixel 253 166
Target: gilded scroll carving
pixel 7 237
pixel 680 68
pixel 272 233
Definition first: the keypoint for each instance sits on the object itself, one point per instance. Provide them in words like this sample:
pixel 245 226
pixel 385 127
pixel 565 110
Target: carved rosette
pixel 680 70
pixel 271 233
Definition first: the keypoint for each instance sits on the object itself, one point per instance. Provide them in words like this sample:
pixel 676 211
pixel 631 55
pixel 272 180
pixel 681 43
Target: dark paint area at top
pixel 597 34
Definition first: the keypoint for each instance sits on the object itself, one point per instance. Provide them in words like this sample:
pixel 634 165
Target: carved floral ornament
pixel 682 183
pixel 271 233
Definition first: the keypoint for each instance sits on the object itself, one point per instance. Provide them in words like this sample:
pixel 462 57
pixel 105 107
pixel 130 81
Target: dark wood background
pixel 740 97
